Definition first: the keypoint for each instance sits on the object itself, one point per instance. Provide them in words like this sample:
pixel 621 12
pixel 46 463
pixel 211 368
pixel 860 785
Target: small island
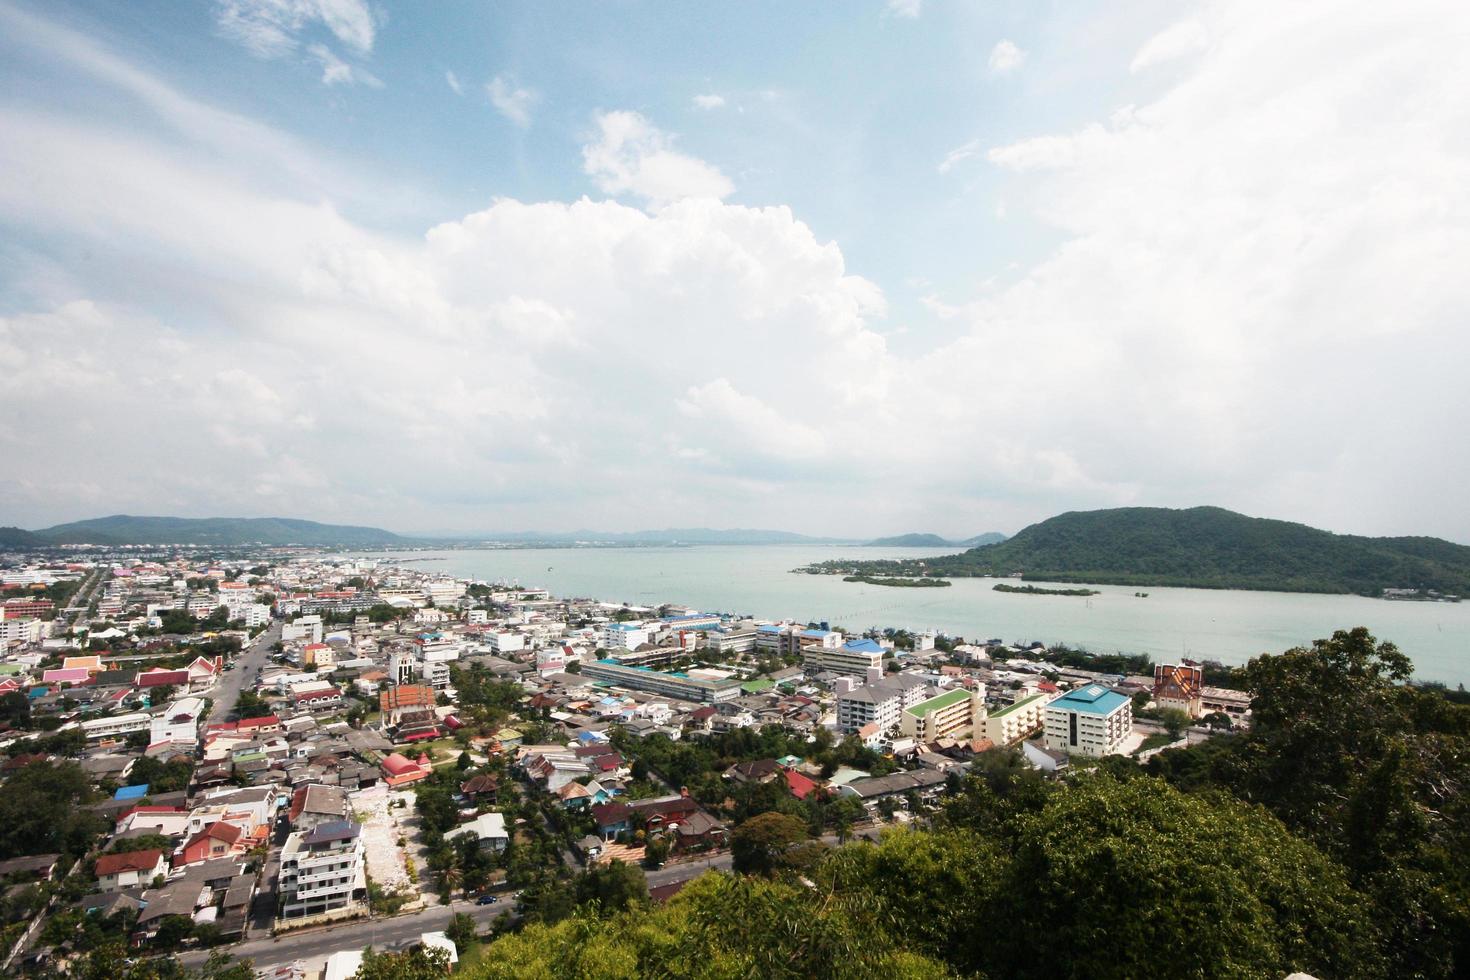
pixel 899 583
pixel 1034 590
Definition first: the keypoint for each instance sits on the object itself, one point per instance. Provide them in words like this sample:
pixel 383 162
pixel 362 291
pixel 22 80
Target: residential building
pixel 488 829
pixel 855 657
pixel 1091 721
pixel 323 871
pixel 879 702
pixel 503 642
pixel 954 712
pixel 1016 721
pixel 625 636
pixel 130 868
pixel 178 722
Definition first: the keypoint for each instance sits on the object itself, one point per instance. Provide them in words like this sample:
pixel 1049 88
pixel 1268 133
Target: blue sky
pixel 847 269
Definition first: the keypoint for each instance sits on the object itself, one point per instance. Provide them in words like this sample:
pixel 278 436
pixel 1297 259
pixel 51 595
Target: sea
pixel 1207 624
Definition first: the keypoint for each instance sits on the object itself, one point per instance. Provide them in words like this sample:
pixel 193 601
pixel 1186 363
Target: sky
pixel 846 269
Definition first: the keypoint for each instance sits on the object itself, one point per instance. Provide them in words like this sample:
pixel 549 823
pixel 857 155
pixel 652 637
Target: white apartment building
pixel 1015 721
pixel 879 702
pixel 306 628
pixel 1091 721
pixel 323 871
pixel 116 725
pixel 505 642
pixel 256 615
pixel 24 630
pixel 177 722
pixel 625 636
pixel 444 591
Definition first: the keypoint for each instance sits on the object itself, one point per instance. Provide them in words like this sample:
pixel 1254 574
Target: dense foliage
pixel 1202 547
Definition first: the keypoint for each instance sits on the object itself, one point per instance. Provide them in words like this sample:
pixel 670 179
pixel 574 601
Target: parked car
pixel 487 899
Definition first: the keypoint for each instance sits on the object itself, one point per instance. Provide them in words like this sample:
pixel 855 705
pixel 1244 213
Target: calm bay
pixel 1229 626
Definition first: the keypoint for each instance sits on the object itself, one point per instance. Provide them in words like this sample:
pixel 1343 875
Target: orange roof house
pixel 399 770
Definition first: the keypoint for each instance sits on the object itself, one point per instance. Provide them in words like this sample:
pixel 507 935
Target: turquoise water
pixel 1216 624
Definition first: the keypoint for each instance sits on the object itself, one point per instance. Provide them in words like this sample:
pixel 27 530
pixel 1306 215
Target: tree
pixel 1174 720
pixel 461 931
pixel 766 843
pixel 41 810
pixel 612 886
pixel 420 963
pixel 656 852
pixel 463 762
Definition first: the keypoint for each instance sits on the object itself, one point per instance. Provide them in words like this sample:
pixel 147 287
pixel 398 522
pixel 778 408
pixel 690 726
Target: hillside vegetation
pixel 122 529
pixel 1202 547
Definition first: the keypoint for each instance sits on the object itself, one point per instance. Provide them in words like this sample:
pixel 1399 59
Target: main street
pixel 380 933
pixel 227 692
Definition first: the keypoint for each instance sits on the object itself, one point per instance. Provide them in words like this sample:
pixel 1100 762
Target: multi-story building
pixel 1091 721
pixel 307 628
pixel 177 722
pixel 879 702
pixel 323 871
pixel 625 636
pixel 674 685
pixel 1016 721
pixel 256 615
pixel 855 657
pixel 1179 686
pixel 954 712
pixel 28 608
pixel 503 642
pixel 725 642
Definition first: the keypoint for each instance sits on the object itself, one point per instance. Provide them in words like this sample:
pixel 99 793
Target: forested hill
pixel 1207 547
pixel 122 529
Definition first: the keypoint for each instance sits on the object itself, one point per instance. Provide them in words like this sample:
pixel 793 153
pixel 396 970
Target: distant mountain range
pixel 673 535
pixel 935 541
pixel 224 532
pixel 1204 547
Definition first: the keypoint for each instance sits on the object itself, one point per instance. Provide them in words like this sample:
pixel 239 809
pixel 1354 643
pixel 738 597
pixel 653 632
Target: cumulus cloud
pixel 629 155
pixel 452 80
pixel 1006 57
pixel 271 28
pixel 1173 42
pixel 1255 300
pixel 510 100
pixel 709 101
pixel 908 9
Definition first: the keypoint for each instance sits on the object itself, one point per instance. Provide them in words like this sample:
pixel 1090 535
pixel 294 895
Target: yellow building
pixel 1014 722
pixel 954 712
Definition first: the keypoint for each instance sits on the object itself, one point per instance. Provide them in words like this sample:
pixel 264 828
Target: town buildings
pixel 323 872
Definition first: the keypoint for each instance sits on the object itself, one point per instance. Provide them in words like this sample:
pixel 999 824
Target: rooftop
pixel 1093 699
pixel 939 701
pixel 1012 707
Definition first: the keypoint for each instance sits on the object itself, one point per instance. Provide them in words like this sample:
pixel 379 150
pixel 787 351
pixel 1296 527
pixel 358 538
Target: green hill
pixel 1205 547
pixel 122 529
pixel 14 537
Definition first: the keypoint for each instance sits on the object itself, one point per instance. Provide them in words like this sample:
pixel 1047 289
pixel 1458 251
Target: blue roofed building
pixel 1092 721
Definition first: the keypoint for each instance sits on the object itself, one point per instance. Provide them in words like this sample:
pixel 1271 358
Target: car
pixel 487 899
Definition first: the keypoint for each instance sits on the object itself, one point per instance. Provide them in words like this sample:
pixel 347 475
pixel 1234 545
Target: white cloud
pixel 629 155
pixel 959 155
pixel 335 71
pixel 1256 301
pixel 271 28
pixel 452 80
pixel 709 101
pixel 908 9
pixel 1184 38
pixel 1006 57
pixel 510 100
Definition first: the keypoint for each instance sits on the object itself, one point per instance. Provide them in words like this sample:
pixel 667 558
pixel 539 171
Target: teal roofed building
pixel 1093 721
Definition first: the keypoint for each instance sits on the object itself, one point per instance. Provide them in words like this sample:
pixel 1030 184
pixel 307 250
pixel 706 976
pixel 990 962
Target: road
pixel 319 942
pixel 227 691
pixel 73 614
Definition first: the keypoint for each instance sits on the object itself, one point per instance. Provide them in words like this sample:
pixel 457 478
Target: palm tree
pixel 453 877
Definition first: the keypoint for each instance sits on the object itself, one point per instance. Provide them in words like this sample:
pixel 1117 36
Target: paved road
pixel 227 691
pixel 318 943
